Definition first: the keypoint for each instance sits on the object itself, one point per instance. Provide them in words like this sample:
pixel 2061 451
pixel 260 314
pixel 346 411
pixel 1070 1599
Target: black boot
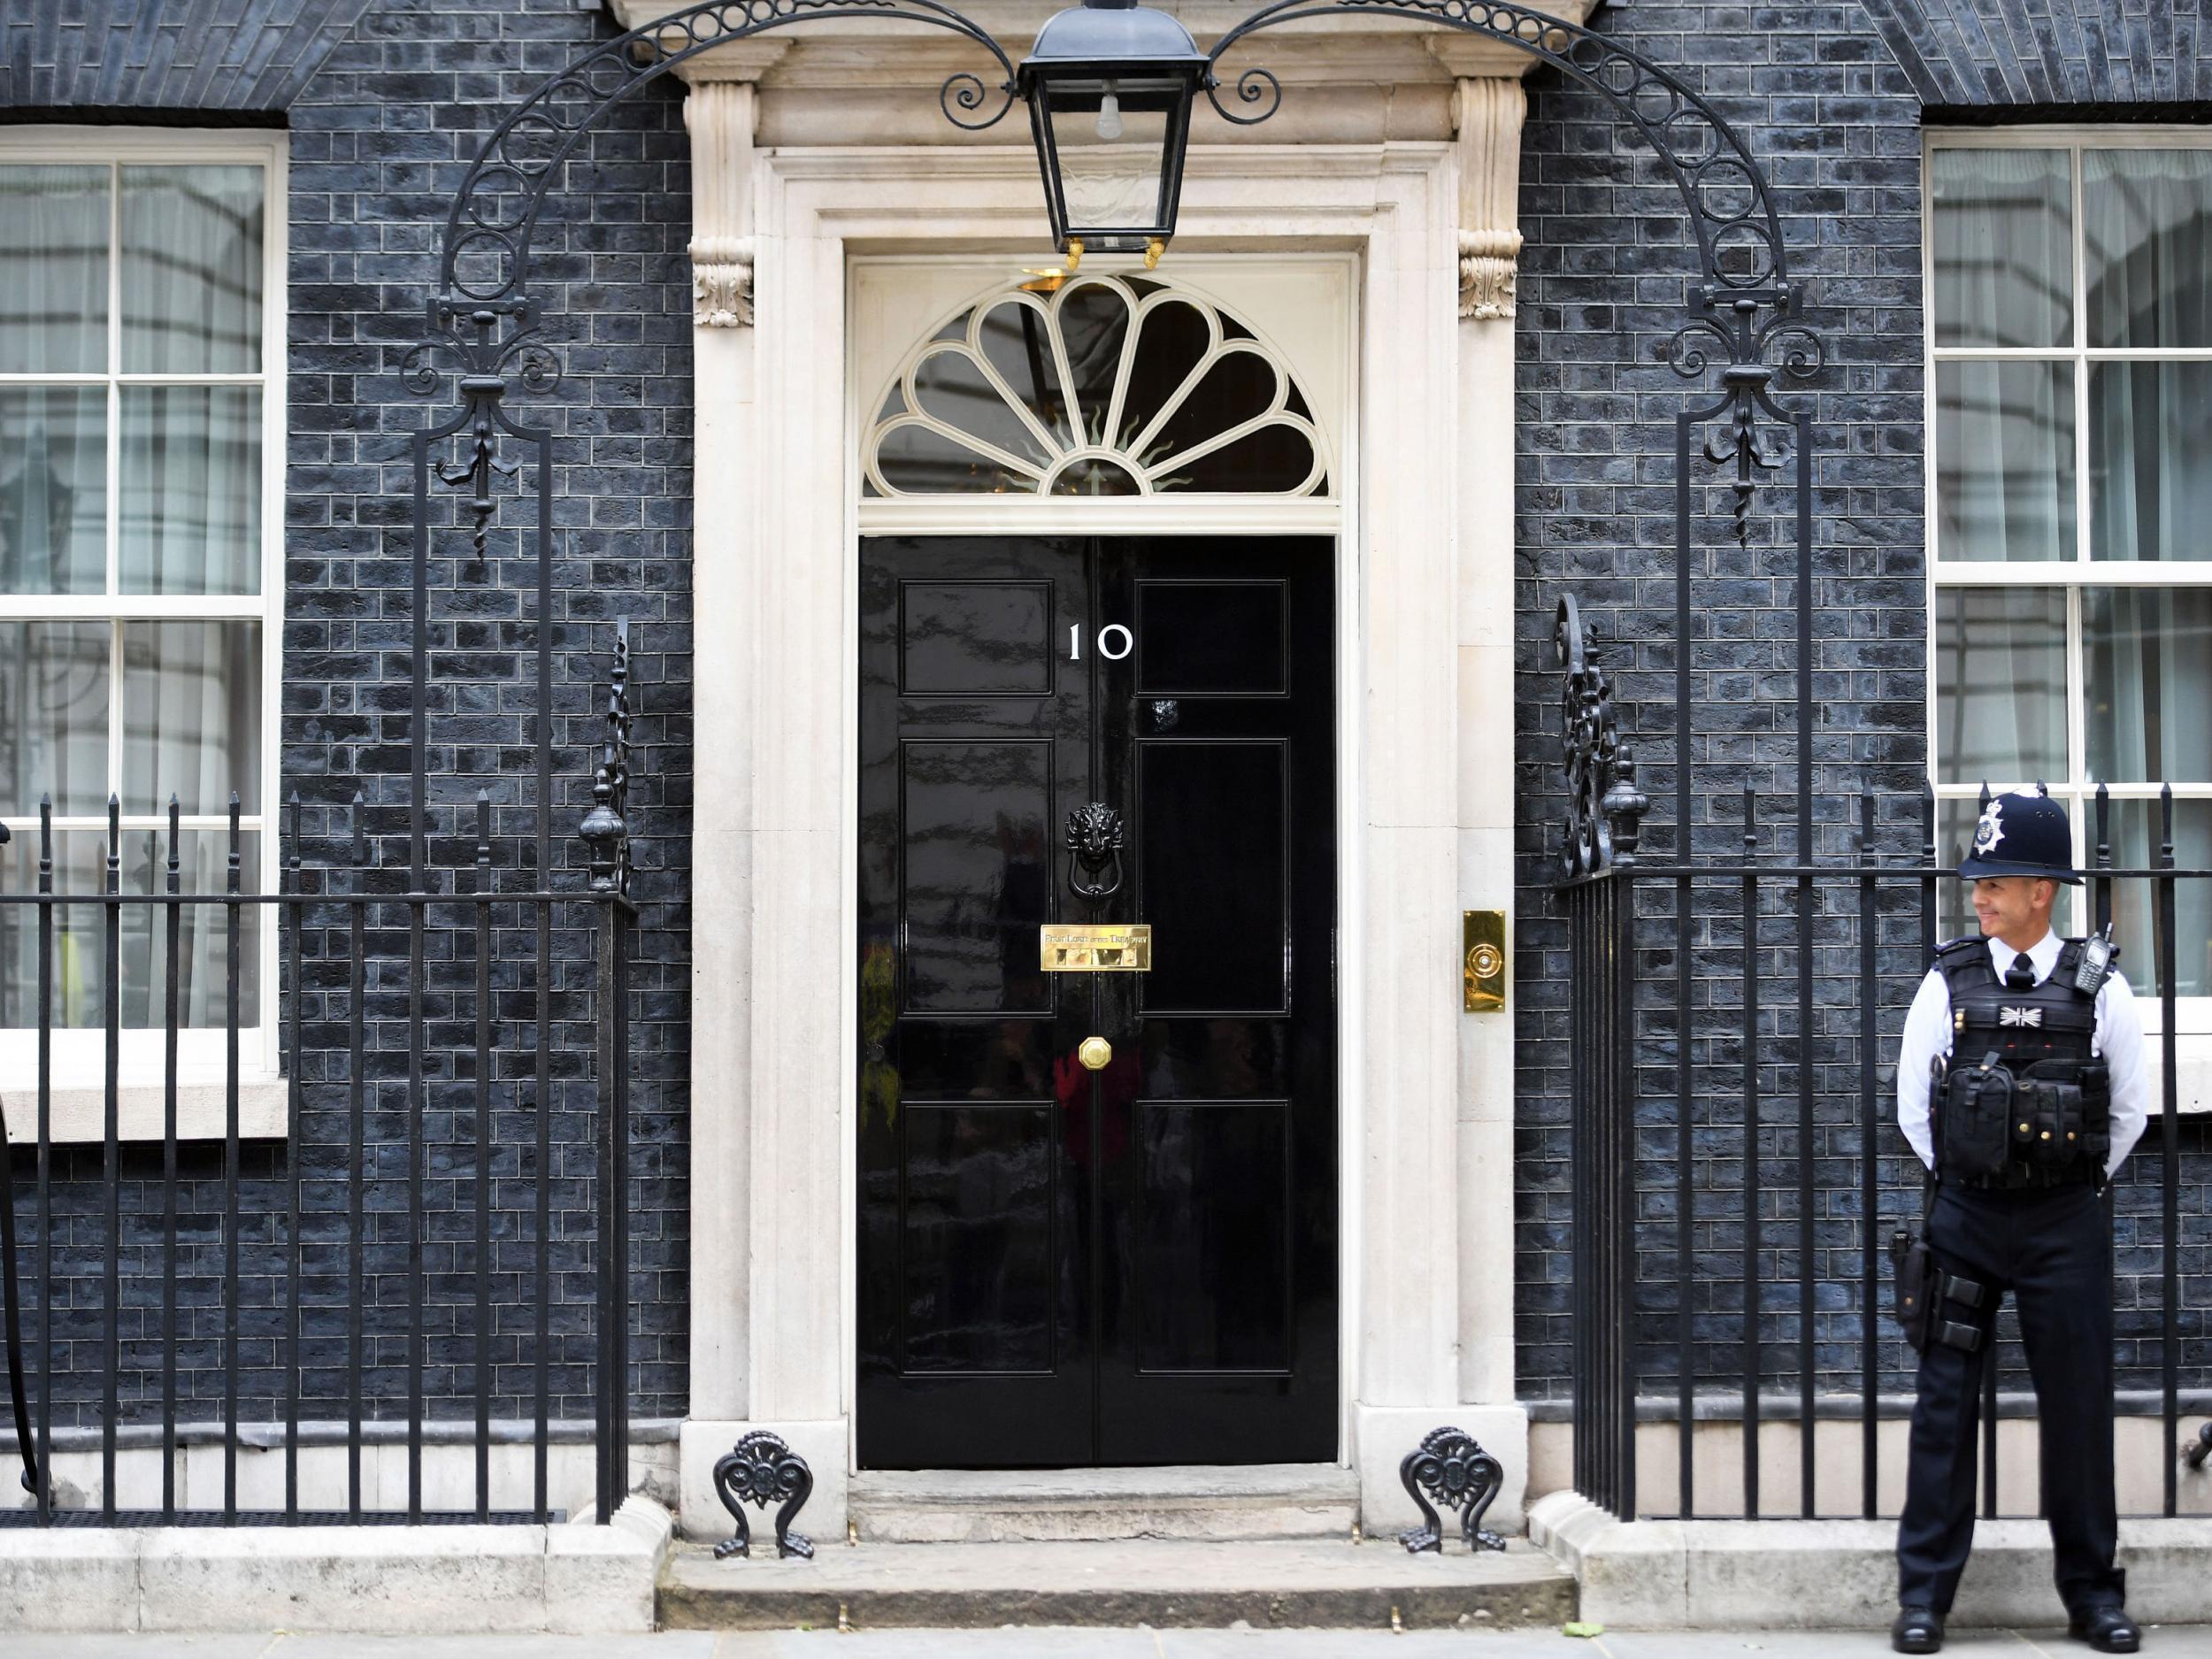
pixel 2107 1629
pixel 1917 1629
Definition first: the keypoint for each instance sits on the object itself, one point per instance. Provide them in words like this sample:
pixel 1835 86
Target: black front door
pixel 1134 1263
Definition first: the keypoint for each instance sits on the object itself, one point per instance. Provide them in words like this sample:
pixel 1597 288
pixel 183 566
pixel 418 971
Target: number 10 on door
pixel 1108 637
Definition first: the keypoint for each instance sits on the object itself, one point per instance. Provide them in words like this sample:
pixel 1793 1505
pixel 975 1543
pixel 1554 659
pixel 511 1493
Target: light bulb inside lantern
pixel 1109 126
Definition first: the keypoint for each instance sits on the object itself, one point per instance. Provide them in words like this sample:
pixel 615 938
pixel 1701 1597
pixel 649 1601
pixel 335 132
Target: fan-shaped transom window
pixel 1113 385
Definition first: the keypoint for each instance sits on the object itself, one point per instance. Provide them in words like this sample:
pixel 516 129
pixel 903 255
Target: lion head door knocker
pixel 1095 852
pixel 762 1470
pixel 1451 1467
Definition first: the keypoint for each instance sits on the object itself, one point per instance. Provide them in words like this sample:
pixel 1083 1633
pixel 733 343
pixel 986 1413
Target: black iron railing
pixel 357 1309
pixel 1729 1256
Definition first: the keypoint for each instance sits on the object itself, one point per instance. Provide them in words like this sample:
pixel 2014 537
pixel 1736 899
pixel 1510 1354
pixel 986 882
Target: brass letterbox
pixel 1095 947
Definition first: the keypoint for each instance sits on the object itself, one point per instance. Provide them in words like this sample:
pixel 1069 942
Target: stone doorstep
pixel 570 1577
pixel 1842 1575
pixel 1270 1501
pixel 1334 1584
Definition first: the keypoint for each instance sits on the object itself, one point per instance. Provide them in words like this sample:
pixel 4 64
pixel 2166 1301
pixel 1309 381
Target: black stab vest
pixel 2022 1102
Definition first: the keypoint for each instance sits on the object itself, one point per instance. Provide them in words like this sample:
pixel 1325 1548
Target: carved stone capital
pixel 1489 110
pixel 1489 264
pixel 721 117
pixel 722 282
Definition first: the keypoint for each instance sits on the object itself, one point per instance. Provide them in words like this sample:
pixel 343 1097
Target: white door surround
pixel 1425 566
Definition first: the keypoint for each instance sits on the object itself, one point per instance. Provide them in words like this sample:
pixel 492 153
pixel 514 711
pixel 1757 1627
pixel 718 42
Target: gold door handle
pixel 1096 1053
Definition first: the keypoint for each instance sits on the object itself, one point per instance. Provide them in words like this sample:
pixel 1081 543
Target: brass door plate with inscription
pixel 1482 944
pixel 1095 947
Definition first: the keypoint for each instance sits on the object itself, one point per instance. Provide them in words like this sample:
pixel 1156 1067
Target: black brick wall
pixel 386 99
pixel 381 131
pixel 1834 120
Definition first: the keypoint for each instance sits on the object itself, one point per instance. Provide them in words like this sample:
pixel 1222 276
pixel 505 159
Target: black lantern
pixel 1110 86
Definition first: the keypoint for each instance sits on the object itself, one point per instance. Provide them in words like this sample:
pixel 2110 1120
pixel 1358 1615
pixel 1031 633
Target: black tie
pixel 2021 975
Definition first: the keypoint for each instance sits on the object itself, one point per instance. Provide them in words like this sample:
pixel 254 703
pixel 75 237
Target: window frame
pixel 2192 1014
pixel 79 1060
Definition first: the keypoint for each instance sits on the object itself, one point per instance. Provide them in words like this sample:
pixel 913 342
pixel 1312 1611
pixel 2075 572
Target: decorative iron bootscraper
pixel 1449 1466
pixel 761 1470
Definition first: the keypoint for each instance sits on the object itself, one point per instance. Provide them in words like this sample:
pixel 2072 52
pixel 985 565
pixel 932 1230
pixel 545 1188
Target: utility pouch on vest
pixel 2096 1114
pixel 1977 1127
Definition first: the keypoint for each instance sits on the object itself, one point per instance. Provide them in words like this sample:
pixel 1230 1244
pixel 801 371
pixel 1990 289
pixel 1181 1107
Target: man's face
pixel 2007 906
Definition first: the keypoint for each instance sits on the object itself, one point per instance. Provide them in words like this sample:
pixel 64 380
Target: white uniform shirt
pixel 2118 1039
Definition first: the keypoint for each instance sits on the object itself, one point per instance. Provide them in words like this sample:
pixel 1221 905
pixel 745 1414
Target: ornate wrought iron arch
pixel 482 317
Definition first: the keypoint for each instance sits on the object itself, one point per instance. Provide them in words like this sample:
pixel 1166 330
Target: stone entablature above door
pixel 1345 80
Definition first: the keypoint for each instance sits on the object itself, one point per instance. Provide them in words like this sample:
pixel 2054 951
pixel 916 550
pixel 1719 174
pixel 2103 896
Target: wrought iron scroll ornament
pixel 2198 1452
pixel 606 828
pixel 1744 303
pixel 1451 1467
pixel 483 322
pixel 762 1469
pixel 1605 809
pixel 1093 852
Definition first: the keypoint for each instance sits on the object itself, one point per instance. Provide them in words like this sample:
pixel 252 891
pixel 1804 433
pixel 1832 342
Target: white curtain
pixel 53 270
pixel 53 490
pixel 2000 680
pixel 191 270
pixel 2002 246
pixel 191 488
pixel 2005 461
pixel 2147 227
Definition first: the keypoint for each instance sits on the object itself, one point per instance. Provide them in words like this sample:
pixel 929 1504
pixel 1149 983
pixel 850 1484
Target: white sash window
pixel 142 449
pixel 2070 374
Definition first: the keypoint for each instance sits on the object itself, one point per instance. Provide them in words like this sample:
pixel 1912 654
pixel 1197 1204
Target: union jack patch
pixel 2020 1017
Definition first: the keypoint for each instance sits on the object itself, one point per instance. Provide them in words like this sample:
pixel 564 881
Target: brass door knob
pixel 1096 1053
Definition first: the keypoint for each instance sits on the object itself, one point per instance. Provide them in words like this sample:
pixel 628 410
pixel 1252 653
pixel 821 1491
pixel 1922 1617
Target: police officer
pixel 2021 1085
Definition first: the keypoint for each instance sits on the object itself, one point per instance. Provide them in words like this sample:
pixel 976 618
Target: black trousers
pixel 2053 1250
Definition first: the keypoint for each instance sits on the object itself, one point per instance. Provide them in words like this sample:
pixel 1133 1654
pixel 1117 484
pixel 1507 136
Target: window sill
pixel 2192 1072
pixel 79 1115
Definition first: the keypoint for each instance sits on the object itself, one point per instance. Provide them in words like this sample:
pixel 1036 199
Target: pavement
pixel 2168 1643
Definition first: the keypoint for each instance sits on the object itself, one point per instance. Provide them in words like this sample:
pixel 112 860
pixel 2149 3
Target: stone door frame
pixel 1426 754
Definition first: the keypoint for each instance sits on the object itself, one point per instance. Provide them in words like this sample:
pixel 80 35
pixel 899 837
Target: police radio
pixel 2097 952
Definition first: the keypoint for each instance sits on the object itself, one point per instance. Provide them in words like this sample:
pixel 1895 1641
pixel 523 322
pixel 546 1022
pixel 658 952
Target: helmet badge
pixel 1990 831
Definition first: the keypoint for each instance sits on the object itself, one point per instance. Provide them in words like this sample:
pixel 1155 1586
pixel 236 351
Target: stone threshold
pixel 1250 1501
pixel 1268 1585
pixel 398 1580
pixel 1842 1575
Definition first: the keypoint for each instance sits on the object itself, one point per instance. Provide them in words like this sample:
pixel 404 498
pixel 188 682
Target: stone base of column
pixel 699 1515
pixel 1381 1437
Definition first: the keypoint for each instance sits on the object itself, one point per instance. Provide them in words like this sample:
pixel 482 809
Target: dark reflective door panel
pixel 1136 1264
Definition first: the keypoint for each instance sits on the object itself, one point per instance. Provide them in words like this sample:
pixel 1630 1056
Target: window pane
pixel 54 716
pixel 79 960
pixel 2001 685
pixel 2005 461
pixel 2150 475
pixel 191 479
pixel 1955 899
pixel 2135 836
pixel 191 270
pixel 53 490
pixel 191 715
pixel 2149 679
pixel 2002 225
pixel 53 270
pixel 2147 223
